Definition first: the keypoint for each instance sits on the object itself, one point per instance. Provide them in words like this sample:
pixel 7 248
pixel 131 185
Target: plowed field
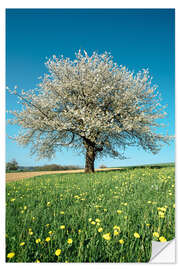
pixel 23 175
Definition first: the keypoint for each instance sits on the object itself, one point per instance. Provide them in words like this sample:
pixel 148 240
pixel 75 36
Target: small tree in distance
pixel 90 104
pixel 12 165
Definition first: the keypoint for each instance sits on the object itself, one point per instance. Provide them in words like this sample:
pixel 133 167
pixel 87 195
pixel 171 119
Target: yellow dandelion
pixel 125 204
pixel 22 244
pixel 12 200
pixel 119 211
pixel 38 240
pixel 48 203
pixel 105 210
pixel 89 219
pixel 50 232
pixel 116 232
pixel 10 255
pixel 136 235
pixel 79 231
pixel 161 209
pixel 149 202
pixel 58 252
pixel 174 205
pixel 161 214
pixel 47 239
pixel 156 234
pixel 107 236
pixel 69 241
pixel 62 212
pixel 100 229
pixel 25 207
pixel 30 233
pixel 147 224
pixel 116 228
pixel 47 225
pixel 33 218
pixel 97 220
pixel 162 239
pixel 62 227
pixel 93 222
pixel 37 261
pixel 121 241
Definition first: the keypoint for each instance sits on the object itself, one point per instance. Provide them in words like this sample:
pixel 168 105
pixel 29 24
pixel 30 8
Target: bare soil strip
pixel 23 175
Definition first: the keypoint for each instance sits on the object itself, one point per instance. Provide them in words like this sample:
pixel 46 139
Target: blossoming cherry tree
pixel 90 104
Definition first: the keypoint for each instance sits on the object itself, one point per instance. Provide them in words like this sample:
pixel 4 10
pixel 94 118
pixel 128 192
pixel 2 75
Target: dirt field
pixel 22 175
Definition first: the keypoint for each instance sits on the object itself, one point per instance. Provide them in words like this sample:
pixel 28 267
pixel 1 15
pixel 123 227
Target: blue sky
pixel 137 38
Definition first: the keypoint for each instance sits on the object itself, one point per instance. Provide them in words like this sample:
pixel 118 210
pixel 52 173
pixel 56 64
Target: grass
pixel 121 203
pixel 156 165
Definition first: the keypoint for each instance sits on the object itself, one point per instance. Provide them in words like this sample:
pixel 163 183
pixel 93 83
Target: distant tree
pixel 90 104
pixel 12 165
pixel 55 167
pixel 49 167
pixel 102 166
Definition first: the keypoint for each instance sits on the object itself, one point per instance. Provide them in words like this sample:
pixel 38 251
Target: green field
pixel 100 217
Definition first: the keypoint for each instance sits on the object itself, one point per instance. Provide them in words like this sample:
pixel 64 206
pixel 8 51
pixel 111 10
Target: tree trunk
pixel 90 157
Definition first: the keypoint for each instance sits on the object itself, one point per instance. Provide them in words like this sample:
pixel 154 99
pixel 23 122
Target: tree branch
pixel 66 144
pixel 31 104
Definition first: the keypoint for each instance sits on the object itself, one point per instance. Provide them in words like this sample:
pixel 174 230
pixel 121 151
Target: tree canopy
pixel 91 104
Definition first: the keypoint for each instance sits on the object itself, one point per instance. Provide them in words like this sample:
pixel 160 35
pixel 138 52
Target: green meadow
pixel 101 217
